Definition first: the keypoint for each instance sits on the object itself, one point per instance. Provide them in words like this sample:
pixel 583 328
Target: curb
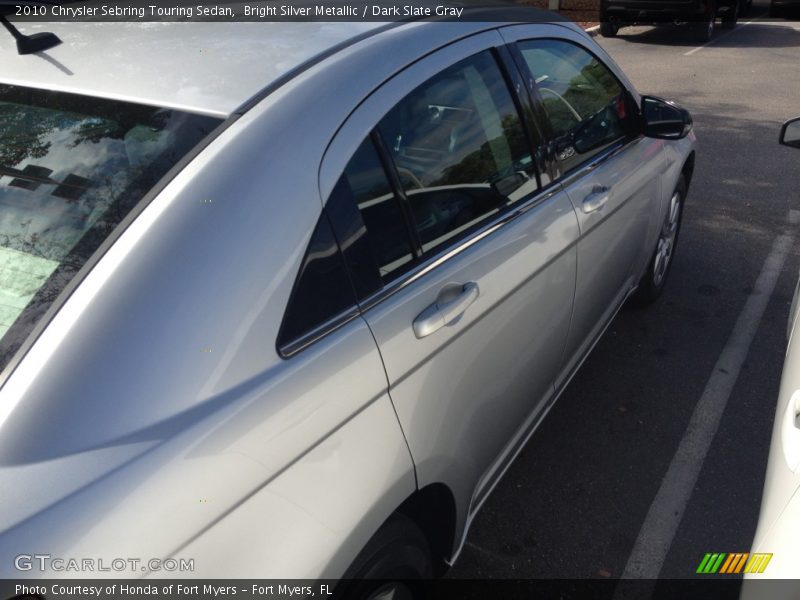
pixel 593 31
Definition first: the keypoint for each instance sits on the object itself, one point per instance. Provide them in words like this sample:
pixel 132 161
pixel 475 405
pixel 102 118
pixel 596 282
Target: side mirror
pixel 664 119
pixel 790 133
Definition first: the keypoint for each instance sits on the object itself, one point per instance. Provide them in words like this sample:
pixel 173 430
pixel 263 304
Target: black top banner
pixel 271 10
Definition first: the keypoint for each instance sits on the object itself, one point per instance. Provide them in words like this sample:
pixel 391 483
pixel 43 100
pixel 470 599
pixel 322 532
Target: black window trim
pixel 523 102
pixel 537 114
pixel 396 186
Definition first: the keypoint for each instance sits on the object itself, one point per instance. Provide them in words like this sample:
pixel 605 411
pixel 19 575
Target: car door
pixel 610 172
pixel 470 273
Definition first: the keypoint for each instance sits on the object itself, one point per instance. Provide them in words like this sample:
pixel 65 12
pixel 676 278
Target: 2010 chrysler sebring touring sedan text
pixel 287 299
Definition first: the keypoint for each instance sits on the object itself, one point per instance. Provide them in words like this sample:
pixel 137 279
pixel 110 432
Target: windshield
pixel 71 168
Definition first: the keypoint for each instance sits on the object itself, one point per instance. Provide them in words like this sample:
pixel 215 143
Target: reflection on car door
pixel 610 173
pixel 474 307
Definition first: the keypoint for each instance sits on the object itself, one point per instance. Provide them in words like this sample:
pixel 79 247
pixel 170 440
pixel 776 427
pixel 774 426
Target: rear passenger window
pixel 459 150
pixel 322 290
pixel 380 210
pixel 587 107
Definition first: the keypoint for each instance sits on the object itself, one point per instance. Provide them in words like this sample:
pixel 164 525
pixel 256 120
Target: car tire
pixel 731 16
pixel 654 279
pixel 608 29
pixel 392 564
pixel 705 29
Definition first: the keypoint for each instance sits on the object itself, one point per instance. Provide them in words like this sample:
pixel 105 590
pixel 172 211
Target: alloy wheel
pixel 666 240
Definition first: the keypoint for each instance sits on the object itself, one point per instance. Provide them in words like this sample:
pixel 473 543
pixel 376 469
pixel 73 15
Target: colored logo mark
pixel 731 564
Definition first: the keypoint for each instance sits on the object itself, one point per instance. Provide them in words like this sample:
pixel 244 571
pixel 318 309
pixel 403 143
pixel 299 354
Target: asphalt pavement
pixel 598 485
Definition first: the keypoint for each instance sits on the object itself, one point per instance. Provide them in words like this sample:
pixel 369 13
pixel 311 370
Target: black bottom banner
pixel 700 588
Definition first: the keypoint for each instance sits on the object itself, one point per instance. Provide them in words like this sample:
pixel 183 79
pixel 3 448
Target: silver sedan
pixel 286 300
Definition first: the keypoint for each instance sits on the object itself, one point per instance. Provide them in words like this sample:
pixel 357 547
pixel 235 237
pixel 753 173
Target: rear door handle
pixel 596 199
pixel 442 313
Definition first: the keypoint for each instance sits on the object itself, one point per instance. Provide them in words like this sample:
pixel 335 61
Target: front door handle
pixel 596 199
pixel 445 311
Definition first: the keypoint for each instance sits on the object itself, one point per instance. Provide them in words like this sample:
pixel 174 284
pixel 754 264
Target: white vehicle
pixel 778 531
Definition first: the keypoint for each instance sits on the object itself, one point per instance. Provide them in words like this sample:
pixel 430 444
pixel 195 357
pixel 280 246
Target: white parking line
pixel 666 511
pixel 716 39
pixel 783 24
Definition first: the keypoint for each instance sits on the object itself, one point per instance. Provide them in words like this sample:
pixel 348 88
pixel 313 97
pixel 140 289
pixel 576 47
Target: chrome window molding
pixel 297 345
pixel 599 159
pixel 429 264
pixel 499 222
pixel 320 331
pixel 461 245
pixel 543 195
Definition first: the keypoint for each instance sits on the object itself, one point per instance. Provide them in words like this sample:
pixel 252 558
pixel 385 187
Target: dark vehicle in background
pixel 784 8
pixel 701 15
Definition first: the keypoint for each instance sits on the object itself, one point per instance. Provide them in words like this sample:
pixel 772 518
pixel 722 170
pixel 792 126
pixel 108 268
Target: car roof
pixel 210 68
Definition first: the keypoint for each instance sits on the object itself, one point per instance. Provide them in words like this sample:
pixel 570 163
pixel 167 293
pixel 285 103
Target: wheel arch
pixel 433 510
pixel 687 170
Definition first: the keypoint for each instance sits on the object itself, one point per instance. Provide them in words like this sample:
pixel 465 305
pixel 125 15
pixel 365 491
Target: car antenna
pixel 28 44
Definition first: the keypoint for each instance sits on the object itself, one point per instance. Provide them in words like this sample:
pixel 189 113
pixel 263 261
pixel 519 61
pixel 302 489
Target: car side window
pixel 587 107
pixel 322 290
pixel 459 151
pixel 380 210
